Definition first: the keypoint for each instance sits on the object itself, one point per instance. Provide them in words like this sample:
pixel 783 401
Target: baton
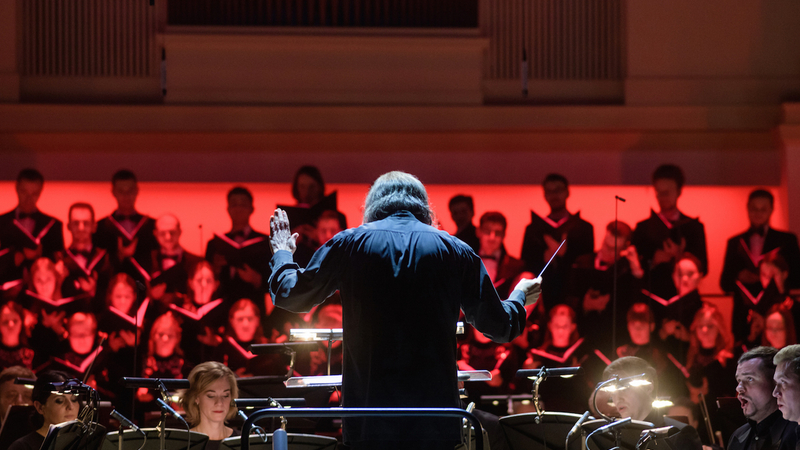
pixel 551 258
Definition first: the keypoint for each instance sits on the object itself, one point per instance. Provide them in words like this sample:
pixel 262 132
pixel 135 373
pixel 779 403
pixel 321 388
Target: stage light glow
pixel 315 334
pixel 662 403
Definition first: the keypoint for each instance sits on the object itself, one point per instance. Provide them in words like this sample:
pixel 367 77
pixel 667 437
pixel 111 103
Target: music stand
pixel 71 435
pixel 16 424
pixel 296 442
pixel 524 431
pixel 174 440
pixel 629 434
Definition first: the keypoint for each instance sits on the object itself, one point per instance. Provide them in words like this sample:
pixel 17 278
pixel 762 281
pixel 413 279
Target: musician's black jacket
pixel 773 433
pixel 402 285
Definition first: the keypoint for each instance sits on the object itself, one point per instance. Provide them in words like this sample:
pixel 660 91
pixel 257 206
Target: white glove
pixel 531 288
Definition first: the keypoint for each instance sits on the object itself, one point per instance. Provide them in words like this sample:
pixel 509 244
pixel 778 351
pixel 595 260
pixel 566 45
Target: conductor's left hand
pixel 531 288
pixel 281 237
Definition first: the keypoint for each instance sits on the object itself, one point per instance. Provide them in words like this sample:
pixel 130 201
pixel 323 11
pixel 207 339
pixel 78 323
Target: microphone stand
pixel 162 431
pixel 617 199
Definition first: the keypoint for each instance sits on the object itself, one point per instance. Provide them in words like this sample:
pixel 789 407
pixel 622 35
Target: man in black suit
pixel 170 265
pixel 87 269
pixel 745 252
pixel 504 270
pixel 766 428
pixel 544 234
pixel 126 233
pixel 241 256
pixel 27 232
pixel 666 235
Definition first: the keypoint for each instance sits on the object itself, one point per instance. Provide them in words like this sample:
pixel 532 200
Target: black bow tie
pixel 761 231
pixel 172 257
pixel 23 215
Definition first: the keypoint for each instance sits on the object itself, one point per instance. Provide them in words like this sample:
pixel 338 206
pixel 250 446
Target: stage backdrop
pixel 201 207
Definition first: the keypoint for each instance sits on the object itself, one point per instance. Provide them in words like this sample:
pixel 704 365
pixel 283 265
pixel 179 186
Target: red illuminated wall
pixel 722 209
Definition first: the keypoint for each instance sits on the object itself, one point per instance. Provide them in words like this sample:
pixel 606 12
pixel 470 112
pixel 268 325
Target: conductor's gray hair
pixel 397 191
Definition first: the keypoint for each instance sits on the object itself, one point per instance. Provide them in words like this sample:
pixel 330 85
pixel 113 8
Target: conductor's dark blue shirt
pixel 402 284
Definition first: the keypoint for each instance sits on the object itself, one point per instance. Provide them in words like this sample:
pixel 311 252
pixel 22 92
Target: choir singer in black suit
pixel 402 284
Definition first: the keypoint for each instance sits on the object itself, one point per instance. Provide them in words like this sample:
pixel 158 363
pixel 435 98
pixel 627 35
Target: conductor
pixel 402 284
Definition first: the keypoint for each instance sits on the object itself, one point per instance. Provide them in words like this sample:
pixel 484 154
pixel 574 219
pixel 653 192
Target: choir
pixel 126 299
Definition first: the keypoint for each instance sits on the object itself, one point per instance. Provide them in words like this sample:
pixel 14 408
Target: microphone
pixel 619 198
pixel 578 424
pixel 168 409
pixel 659 432
pixel 612 425
pixel 124 420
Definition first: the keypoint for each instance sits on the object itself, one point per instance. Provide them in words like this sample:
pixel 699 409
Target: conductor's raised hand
pixel 281 237
pixel 531 288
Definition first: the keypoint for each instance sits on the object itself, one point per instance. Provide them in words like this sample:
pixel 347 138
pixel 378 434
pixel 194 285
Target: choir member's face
pixel 491 235
pixel 555 194
pixel 633 402
pixel 561 328
pixel 754 390
pixel 461 214
pixel 215 402
pixel 240 208
pixel 667 193
pixel 326 229
pixel 775 330
pixel 759 211
pixel 81 225
pixel 81 334
pixel 122 297
pixel 166 339
pixel 168 233
pixel 13 394
pixel 10 327
pixel 621 242
pixel 707 332
pixel 44 283
pixel 787 391
pixel 640 332
pixel 309 191
pixel 58 408
pixel 686 276
pixel 244 323
pixel 203 285
pixel 125 192
pixel 28 193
